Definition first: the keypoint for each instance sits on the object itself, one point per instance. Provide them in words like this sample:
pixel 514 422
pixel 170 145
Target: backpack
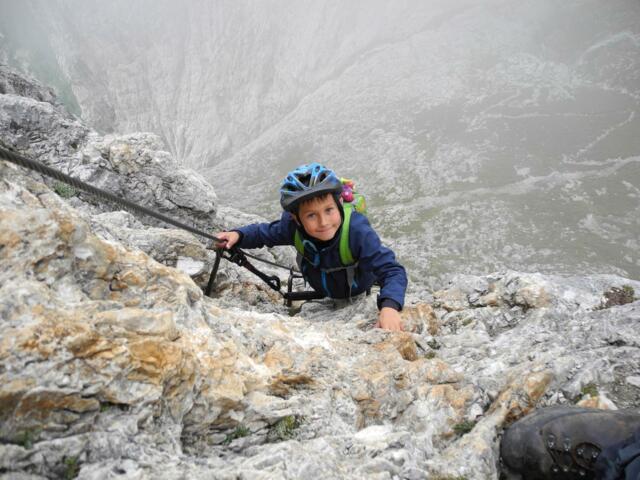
pixel 351 200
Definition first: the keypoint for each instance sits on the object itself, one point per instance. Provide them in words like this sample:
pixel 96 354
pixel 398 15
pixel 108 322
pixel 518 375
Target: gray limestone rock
pixel 172 247
pixel 40 130
pixel 22 86
pixel 137 168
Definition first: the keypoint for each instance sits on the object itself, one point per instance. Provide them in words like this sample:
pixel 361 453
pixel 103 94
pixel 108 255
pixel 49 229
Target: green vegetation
pixel 463 427
pixel 27 438
pixel 430 355
pixel 433 344
pixel 467 321
pixel 589 389
pixel 284 429
pixel 617 296
pixel 64 190
pixel 71 468
pixel 106 406
pixel 239 432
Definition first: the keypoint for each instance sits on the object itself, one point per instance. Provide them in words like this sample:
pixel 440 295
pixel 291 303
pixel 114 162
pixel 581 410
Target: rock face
pixel 108 355
pixel 138 167
pixel 113 364
pixel 33 123
pixel 12 83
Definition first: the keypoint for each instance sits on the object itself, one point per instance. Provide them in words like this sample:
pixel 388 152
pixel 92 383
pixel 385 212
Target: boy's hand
pixel 227 239
pixel 389 319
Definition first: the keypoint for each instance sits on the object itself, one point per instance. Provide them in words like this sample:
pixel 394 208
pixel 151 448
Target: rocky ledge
pixel 113 364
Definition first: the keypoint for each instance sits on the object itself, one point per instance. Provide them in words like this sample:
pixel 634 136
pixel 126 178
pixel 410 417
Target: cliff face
pixel 116 364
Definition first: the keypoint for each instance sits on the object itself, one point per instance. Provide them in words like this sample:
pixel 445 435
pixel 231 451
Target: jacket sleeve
pixel 373 256
pixel 259 235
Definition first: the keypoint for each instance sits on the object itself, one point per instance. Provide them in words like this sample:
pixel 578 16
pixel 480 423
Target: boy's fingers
pixel 222 242
pixel 226 240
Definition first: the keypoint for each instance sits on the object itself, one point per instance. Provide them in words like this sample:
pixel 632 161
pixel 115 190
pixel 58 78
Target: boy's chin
pixel 324 236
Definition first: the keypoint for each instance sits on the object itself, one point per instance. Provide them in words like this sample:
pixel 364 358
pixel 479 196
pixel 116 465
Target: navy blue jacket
pixel 375 262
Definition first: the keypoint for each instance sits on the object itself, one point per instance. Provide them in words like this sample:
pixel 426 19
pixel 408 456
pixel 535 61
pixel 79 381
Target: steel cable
pixel 79 184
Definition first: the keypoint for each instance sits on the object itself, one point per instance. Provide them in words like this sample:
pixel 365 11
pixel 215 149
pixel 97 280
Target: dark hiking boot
pixel 562 442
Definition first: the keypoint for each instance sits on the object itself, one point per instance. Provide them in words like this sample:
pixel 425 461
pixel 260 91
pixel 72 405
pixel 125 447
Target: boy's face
pixel 320 217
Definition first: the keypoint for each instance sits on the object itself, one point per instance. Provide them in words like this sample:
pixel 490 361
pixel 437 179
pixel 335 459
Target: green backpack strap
pixel 297 241
pixel 345 252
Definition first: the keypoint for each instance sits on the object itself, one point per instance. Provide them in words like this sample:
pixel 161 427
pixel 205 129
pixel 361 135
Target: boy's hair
pixel 317 198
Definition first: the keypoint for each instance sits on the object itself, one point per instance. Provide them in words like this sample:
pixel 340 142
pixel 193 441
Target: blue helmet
pixel 305 182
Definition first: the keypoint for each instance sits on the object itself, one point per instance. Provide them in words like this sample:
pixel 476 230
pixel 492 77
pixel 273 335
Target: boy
pixel 310 196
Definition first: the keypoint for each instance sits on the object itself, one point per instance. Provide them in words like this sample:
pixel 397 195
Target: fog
pixel 486 135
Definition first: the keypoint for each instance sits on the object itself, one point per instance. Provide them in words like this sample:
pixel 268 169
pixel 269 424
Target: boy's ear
pixel 295 218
